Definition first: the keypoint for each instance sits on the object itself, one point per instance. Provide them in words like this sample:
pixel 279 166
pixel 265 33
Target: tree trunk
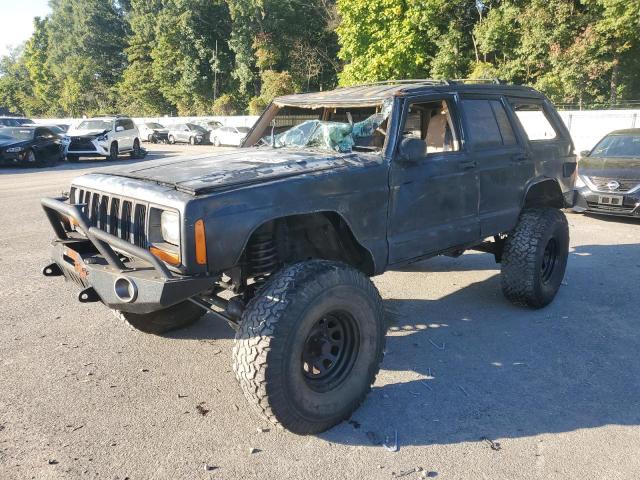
pixel 614 83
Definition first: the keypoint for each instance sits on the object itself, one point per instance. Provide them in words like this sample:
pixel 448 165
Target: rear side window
pixel 534 121
pixel 128 124
pixel 488 124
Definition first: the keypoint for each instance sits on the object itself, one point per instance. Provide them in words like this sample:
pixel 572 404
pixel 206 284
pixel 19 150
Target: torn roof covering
pixel 358 96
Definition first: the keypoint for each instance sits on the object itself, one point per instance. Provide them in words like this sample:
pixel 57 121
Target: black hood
pixel 610 167
pixel 210 172
pixel 12 142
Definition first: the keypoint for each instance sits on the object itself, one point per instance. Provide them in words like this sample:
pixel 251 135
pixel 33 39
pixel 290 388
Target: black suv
pixel 279 238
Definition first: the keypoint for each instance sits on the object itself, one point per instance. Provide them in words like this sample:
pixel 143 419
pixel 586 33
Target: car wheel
pixel 192 141
pixel 135 153
pixel 177 316
pixel 72 158
pixel 150 137
pixel 310 345
pixel 216 142
pixel 171 140
pixel 113 152
pixel 535 257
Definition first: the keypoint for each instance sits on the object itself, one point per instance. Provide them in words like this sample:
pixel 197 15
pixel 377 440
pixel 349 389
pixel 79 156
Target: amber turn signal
pixel 201 243
pixel 169 257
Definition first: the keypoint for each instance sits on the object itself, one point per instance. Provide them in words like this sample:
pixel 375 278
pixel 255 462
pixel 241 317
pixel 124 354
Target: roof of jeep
pixel 376 93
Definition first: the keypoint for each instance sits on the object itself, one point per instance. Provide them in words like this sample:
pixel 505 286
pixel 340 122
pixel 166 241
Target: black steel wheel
pixel 535 257
pixel 310 345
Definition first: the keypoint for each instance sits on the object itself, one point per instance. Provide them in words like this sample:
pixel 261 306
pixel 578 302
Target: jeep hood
pixel 211 172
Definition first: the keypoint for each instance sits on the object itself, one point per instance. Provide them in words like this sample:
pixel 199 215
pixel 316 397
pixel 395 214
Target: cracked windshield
pixel 330 129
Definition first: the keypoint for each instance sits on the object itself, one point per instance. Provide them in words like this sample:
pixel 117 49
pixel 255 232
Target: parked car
pixel 30 145
pixel 279 238
pixel 153 132
pixel 14 121
pixel 103 137
pixel 229 136
pixel 609 176
pixel 209 125
pixel 188 133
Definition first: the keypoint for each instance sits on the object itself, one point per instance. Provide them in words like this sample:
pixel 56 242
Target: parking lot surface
pixel 473 387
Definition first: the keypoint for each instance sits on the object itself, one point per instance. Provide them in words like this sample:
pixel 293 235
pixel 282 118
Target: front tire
pixel 310 345
pixel 171 140
pixel 177 316
pixel 113 152
pixel 216 142
pixel 135 153
pixel 534 259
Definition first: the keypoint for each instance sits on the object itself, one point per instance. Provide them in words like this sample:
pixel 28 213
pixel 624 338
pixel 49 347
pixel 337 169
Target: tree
pixel 15 85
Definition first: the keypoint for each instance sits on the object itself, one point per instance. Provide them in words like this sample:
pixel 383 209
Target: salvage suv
pixel 280 237
pixel 103 137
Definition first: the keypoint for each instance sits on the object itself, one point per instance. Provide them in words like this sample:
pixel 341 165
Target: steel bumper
pixel 121 275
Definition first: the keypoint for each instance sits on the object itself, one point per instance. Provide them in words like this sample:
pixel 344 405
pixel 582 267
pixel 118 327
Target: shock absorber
pixel 262 257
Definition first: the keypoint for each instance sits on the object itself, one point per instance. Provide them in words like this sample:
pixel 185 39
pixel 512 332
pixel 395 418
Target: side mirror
pixel 585 153
pixel 412 149
pixel 119 128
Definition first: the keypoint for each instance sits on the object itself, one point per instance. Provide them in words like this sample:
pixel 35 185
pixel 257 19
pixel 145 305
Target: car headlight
pixel 102 138
pixel 14 149
pixel 579 182
pixel 170 227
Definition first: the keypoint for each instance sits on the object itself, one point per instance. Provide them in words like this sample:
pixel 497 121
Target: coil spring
pixel 262 256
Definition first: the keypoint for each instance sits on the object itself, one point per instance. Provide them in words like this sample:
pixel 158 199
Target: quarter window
pixel 534 121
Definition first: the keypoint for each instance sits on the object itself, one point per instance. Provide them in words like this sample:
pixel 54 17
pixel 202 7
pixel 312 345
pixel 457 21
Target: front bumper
pixel 102 264
pixel 587 200
pixel 13 158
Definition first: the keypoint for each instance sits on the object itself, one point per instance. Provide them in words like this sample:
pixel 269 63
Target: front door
pixel 434 200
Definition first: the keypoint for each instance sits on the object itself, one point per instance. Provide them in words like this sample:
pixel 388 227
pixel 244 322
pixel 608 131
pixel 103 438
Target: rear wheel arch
pixel 542 193
pixel 319 235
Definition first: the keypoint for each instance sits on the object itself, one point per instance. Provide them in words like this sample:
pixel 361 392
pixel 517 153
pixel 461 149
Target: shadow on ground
pixel 479 367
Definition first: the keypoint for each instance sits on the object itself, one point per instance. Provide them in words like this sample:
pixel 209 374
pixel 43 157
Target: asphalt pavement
pixel 473 387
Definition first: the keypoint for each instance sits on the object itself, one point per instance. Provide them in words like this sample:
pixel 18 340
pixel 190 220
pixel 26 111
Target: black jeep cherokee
pixel 279 238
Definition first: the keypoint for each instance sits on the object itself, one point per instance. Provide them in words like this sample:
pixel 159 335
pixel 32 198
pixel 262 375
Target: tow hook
pixel 88 295
pixel 52 270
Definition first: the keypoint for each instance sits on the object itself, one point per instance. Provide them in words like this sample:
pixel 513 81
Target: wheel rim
pixel 549 260
pixel 330 351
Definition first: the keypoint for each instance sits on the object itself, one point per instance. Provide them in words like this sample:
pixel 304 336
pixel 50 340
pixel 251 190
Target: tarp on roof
pixel 360 96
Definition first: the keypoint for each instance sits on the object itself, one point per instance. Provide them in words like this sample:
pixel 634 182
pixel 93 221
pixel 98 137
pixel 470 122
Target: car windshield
pixel 154 125
pixel 243 129
pixel 197 128
pixel 17 133
pixel 330 129
pixel 95 125
pixel 618 146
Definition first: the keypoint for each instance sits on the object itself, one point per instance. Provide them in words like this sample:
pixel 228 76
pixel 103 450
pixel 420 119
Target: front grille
pixel 609 208
pixel 81 144
pixel 117 216
pixel 601 184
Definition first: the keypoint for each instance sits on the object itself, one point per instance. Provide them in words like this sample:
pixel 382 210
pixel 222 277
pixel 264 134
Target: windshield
pixel 154 125
pixel 17 133
pixel 197 128
pixel 95 125
pixel 243 129
pixel 618 146
pixel 331 129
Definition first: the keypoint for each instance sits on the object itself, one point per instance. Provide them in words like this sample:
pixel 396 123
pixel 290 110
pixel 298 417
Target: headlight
pixel 170 227
pixel 14 149
pixel 102 138
pixel 580 182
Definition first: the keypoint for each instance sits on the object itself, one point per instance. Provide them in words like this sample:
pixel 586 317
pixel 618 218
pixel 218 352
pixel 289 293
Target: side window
pixel 128 124
pixel 534 121
pixel 488 124
pixel 44 132
pixel 432 122
pixel 120 123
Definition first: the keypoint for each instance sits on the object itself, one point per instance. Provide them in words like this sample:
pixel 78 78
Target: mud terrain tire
pixel 310 345
pixel 535 257
pixel 177 316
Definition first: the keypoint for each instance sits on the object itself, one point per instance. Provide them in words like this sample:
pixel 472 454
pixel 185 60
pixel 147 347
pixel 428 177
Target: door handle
pixel 468 164
pixel 520 157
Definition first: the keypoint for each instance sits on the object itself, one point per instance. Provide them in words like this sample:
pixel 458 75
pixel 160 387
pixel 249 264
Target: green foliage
pixel 189 57
pixel 225 105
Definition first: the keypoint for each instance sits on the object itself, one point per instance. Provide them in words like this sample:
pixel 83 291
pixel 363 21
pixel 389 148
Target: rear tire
pixel 310 345
pixel 171 140
pixel 192 141
pixel 534 259
pixel 177 316
pixel 216 142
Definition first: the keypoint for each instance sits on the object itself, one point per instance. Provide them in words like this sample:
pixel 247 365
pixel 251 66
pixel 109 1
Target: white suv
pixel 103 137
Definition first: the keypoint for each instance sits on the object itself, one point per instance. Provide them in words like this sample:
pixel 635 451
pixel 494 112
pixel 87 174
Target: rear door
pixel 504 163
